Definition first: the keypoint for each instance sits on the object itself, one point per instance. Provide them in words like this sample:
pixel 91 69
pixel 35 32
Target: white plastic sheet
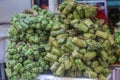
pixel 51 77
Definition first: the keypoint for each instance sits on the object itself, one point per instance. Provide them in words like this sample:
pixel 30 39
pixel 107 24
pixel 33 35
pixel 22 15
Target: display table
pixel 115 72
pixel 51 77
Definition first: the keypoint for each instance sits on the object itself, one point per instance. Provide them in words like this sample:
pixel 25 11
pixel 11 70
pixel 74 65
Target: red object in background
pixel 44 4
pixel 101 15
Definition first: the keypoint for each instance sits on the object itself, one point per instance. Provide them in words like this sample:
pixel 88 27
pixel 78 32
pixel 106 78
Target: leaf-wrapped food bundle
pixel 79 42
pixel 76 15
pixel 102 77
pixel 89 56
pixel 8 72
pixel 90 73
pixel 54 66
pixel 17 66
pixel 79 64
pixel 76 54
pixel 98 69
pixel 60 70
pixel 88 22
pixel 81 27
pixel 80 11
pixel 51 57
pixel 102 34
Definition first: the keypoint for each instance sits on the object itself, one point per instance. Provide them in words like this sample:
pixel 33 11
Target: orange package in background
pixel 41 3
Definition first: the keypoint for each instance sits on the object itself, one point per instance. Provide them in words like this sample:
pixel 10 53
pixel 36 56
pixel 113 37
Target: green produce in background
pixel 117 40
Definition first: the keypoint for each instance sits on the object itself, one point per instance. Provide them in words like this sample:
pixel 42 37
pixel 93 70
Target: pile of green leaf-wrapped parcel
pixel 79 44
pixel 72 43
pixel 28 34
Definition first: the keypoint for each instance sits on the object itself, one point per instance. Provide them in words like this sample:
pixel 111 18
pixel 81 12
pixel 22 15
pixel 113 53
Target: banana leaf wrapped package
pixel 111 39
pixel 104 55
pixel 95 64
pixel 88 22
pixel 51 57
pixel 17 67
pixel 76 54
pixel 79 64
pixel 60 70
pixel 75 21
pixel 89 35
pixel 67 9
pixel 70 16
pixel 98 69
pixel 80 11
pixel 87 11
pixel 81 27
pixel 70 45
pixel 93 45
pixel 9 72
pixel 107 44
pixel 89 56
pixel 67 64
pixel 76 15
pixel 102 34
pixel 90 73
pixel 54 66
pixel 101 77
pixel 79 42
pixel 58 32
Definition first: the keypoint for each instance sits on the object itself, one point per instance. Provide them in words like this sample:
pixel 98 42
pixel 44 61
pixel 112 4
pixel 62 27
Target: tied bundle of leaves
pixel 79 44
pixel 28 37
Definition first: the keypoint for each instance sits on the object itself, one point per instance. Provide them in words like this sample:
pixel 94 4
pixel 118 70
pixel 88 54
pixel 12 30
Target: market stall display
pixel 71 43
